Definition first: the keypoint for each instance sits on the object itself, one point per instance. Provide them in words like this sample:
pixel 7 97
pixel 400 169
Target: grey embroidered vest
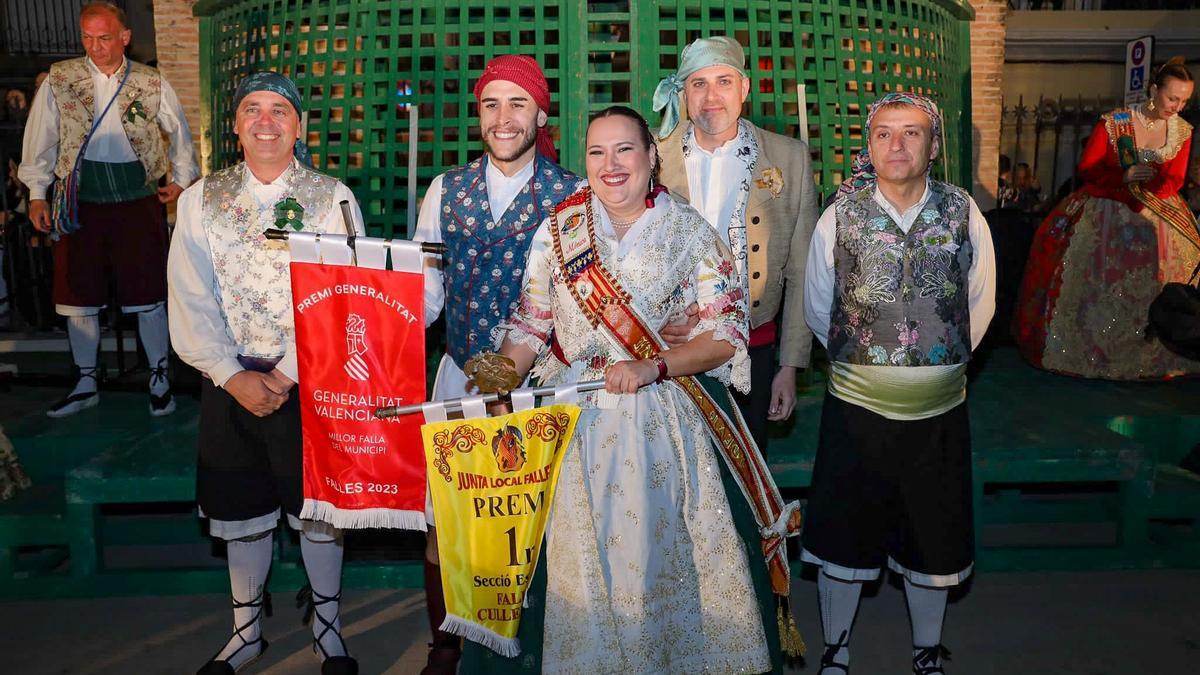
pixel 901 299
pixel 252 276
pixel 136 106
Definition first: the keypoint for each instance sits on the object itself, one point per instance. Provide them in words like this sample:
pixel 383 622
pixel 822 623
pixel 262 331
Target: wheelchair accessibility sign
pixel 1137 68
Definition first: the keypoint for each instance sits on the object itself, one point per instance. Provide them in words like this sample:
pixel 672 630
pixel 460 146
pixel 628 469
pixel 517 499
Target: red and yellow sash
pixel 605 303
pixel 1174 211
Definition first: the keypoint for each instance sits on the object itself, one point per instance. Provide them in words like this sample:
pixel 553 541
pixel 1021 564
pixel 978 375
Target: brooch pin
pixel 288 212
pixel 771 180
pixel 135 110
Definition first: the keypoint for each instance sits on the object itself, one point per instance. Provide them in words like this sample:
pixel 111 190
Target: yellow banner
pixel 492 481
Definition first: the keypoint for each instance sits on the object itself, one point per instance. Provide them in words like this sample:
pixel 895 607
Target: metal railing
pixel 25 260
pixel 1049 136
pixel 41 27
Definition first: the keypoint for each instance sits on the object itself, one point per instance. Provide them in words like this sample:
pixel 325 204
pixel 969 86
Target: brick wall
pixel 987 71
pixel 178 43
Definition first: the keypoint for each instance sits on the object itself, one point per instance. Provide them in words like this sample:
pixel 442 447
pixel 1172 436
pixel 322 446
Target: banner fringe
pixel 506 647
pixel 358 519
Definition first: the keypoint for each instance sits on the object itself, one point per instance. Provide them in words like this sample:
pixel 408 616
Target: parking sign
pixel 1138 54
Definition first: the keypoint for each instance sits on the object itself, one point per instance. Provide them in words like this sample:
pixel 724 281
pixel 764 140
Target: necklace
pixel 1147 122
pixel 624 224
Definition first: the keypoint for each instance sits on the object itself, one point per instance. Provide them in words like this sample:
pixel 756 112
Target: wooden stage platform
pixel 1069 474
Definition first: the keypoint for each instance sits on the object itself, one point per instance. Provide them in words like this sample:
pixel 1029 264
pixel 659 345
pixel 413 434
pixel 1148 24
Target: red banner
pixel 360 344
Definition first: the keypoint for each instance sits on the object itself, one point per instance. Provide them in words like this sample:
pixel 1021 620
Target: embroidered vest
pixel 902 299
pixel 485 260
pixel 136 106
pixel 252 277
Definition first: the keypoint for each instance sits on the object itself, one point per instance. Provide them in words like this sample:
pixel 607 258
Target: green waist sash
pixel 109 182
pixel 900 393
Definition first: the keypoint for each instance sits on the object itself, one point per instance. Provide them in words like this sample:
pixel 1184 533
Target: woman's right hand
pixel 1139 173
pixel 626 377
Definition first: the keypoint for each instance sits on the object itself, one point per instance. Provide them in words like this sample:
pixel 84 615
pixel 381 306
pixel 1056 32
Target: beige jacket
pixel 781 212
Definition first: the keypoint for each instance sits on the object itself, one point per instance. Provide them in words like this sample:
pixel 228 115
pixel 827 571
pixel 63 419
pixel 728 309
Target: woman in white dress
pixel 646 571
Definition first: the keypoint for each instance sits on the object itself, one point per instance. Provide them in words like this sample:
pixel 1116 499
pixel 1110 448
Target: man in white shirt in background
pixel 122 236
pixel 231 319
pixel 900 288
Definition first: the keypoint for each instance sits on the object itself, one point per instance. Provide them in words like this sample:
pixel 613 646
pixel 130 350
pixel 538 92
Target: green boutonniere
pixel 134 111
pixel 289 212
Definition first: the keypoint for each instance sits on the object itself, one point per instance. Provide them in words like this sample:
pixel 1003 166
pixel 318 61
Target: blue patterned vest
pixel 485 260
pixel 902 299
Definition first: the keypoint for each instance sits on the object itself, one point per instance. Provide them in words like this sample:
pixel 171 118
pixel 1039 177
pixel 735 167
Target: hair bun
pixel 1172 68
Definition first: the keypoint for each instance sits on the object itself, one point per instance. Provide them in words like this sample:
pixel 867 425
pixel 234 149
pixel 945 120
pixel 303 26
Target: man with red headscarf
pixel 486 213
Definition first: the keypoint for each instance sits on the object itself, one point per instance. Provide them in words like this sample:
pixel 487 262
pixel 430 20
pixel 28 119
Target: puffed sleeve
pixel 1172 173
pixel 1100 170
pixel 1097 164
pixel 722 304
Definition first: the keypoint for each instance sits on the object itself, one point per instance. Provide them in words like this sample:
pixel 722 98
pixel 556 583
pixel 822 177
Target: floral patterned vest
pixel 485 260
pixel 252 277
pixel 136 105
pixel 902 299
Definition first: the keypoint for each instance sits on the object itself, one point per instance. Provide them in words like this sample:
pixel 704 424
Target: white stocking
pixel 839 605
pixel 926 611
pixel 323 562
pixel 249 563
pixel 84 335
pixel 152 326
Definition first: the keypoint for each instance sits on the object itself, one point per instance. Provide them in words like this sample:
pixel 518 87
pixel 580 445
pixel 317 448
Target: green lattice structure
pixel 361 63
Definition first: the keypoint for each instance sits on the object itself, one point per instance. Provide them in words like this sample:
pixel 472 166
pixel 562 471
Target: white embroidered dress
pixel 646 573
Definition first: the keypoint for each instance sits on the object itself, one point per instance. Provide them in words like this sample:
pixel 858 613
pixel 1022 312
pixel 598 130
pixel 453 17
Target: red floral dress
pixel 1100 258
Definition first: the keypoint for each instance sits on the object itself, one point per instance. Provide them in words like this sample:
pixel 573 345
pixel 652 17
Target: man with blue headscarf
pixel 900 288
pixel 231 318
pixel 756 188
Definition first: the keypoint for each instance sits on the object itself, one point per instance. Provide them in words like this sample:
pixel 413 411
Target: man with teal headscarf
pixel 900 288
pixel 231 319
pixel 756 188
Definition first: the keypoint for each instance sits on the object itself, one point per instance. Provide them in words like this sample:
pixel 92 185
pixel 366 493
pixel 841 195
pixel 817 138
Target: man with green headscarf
pixel 756 188
pixel 229 290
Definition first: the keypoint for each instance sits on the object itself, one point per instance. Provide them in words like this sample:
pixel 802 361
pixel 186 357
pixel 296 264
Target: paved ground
pixel 1097 623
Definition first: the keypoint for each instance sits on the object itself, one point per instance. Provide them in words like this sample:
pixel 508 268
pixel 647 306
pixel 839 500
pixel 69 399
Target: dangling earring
pixel 651 193
pixel 1150 104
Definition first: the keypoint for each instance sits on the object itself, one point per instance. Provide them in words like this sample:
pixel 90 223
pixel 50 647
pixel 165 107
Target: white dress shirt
pixel 819 276
pixel 502 190
pixel 198 325
pixel 714 179
pixel 39 152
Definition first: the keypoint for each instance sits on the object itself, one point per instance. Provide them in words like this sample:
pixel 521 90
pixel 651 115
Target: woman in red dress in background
pixel 1103 254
